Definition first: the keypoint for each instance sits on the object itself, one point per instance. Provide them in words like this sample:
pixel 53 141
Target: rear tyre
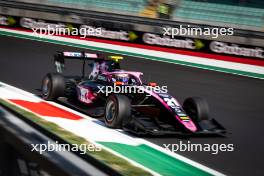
pixel 197 108
pixel 117 111
pixel 53 86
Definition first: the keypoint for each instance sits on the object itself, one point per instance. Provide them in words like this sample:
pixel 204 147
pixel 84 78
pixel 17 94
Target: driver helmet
pixel 124 78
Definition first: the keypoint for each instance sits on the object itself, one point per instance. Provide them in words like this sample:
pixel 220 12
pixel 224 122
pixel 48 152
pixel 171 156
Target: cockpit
pixel 123 78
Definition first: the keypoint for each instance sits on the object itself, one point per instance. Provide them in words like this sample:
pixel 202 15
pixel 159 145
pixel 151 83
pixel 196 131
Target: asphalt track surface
pixel 235 101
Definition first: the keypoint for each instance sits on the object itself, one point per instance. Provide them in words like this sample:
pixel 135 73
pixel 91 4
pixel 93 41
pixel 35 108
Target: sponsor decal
pixel 104 33
pixel 85 95
pixel 154 39
pixel 175 106
pixel 235 49
pixel 30 23
pixel 163 95
pixel 184 118
pixel 120 33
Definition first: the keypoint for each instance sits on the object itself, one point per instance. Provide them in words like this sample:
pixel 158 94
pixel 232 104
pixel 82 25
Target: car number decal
pixel 172 103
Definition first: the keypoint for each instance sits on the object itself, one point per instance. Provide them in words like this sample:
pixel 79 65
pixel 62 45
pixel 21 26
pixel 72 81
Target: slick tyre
pixel 53 86
pixel 197 108
pixel 117 110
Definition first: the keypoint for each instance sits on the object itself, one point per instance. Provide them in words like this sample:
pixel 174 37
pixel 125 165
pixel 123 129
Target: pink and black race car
pixel 124 101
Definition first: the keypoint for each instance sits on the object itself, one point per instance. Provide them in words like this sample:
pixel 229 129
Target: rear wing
pixel 80 55
pixel 60 57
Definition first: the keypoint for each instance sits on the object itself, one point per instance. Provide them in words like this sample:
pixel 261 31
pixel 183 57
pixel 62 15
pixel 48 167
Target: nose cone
pixel 190 125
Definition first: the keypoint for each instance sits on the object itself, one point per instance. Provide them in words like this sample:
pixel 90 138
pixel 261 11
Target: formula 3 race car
pixel 146 110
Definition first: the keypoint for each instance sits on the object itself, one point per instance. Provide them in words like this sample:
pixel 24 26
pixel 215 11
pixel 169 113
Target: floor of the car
pixel 93 111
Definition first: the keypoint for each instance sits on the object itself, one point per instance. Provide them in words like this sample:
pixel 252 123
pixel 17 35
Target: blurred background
pixel 248 14
pixel 140 23
pixel 135 18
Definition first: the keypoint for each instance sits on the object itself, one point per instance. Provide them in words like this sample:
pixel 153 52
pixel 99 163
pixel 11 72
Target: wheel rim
pixel 110 111
pixel 45 87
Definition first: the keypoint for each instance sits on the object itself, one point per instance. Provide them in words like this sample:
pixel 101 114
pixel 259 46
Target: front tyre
pixel 53 86
pixel 197 108
pixel 117 110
